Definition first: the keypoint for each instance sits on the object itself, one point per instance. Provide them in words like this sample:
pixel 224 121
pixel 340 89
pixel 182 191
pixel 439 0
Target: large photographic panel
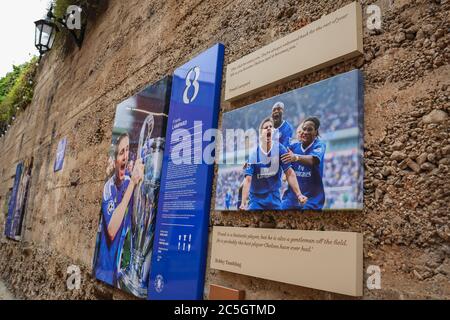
pixel 18 200
pixel 130 194
pixel 181 236
pixel 317 137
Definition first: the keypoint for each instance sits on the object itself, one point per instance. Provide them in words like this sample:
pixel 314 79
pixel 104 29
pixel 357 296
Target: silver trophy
pixel 134 278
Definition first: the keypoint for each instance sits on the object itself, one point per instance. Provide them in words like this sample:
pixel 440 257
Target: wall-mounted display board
pixel 329 40
pixel 18 200
pixel 130 196
pixel 60 154
pixel 324 260
pixel 301 150
pixel 181 235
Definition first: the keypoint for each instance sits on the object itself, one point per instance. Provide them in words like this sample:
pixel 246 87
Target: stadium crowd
pixel 341 170
pixel 330 103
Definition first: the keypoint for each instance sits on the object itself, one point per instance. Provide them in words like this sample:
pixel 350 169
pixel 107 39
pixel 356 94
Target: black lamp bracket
pixel 77 38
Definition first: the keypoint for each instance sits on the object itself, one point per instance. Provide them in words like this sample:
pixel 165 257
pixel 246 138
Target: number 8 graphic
pixel 194 83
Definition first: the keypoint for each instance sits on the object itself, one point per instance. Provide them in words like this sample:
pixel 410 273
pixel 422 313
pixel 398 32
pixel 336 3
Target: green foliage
pixel 16 91
pixel 16 88
pixel 8 81
pixel 89 6
pixel 60 7
pixel 91 9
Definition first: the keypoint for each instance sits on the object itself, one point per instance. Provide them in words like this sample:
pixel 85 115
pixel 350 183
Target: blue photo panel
pixel 181 235
pixel 10 231
pixel 130 194
pixel 60 153
pixel 317 134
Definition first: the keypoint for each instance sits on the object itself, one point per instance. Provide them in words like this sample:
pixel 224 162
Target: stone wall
pixel 134 43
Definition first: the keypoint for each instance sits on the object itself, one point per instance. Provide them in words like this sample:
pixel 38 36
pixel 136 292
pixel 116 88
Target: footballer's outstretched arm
pixel 307 160
pixel 304 160
pixel 293 183
pixel 119 212
pixel 245 191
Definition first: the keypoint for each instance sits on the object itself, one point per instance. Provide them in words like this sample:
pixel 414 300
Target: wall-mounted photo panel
pixel 181 234
pixel 60 154
pixel 18 200
pixel 301 150
pixel 130 194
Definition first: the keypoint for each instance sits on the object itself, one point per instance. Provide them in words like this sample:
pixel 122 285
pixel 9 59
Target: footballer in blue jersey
pixel 116 212
pixel 307 160
pixel 283 129
pixel 263 172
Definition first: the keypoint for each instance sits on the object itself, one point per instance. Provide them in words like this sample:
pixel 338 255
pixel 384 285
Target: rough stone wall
pixel 133 43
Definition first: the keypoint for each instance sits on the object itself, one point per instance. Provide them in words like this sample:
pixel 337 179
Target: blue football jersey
pixel 109 252
pixel 265 170
pixel 285 132
pixel 309 178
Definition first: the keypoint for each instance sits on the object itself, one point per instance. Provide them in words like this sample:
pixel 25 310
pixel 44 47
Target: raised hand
pixel 138 171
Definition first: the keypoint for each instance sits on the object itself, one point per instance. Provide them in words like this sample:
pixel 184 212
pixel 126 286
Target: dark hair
pixel 116 145
pixel 316 122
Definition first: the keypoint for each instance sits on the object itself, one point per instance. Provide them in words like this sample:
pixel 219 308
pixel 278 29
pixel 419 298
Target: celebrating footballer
pixel 300 160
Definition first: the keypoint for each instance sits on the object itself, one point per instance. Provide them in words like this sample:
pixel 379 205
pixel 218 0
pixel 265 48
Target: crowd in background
pixel 331 103
pixel 341 170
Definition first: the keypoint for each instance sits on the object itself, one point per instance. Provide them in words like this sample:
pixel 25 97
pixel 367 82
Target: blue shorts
pixel 291 203
pixel 265 201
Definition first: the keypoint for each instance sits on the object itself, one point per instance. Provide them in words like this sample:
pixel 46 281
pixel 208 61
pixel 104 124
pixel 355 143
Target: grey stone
pixel 435 116
pixel 400 37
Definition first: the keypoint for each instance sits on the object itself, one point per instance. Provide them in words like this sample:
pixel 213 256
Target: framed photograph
pixel 60 154
pixel 130 195
pixel 301 150
pixel 18 200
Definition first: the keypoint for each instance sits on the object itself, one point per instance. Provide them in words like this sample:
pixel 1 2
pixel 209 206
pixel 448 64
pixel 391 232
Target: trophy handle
pixel 146 131
pixel 149 122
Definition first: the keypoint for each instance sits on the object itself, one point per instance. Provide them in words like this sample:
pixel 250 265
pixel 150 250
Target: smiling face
pixel 122 158
pixel 266 131
pixel 307 132
pixel 277 114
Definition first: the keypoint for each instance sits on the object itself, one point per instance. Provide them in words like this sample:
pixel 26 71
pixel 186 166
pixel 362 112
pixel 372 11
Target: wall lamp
pixel 46 29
